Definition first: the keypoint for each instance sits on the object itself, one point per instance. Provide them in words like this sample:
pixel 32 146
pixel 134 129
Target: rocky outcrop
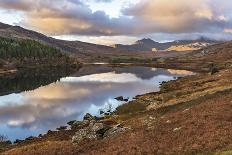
pixel 115 130
pixel 93 129
pixel 88 117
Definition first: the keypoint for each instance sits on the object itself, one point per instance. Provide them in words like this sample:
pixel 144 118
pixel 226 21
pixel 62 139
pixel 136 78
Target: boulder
pixel 81 123
pixel 96 127
pixel 88 117
pixel 17 141
pixel 71 122
pixel 100 128
pixel 126 99
pixel 93 131
pixel 61 128
pixel 83 134
pixel 117 129
pixel 120 98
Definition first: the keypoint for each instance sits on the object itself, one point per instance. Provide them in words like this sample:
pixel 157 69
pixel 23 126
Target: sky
pixel 121 21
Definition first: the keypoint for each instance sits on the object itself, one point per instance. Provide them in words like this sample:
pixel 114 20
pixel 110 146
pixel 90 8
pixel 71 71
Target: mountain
pixel 222 52
pixel 217 56
pixel 147 44
pixel 76 48
pixel 90 53
pixel 189 47
pixel 84 52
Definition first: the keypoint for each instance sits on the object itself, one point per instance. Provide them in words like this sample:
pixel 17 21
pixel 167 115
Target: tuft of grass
pixel 45 148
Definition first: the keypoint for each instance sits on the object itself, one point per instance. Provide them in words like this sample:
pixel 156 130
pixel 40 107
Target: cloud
pixel 67 17
pixel 228 30
pixel 179 16
pixel 103 1
pixel 74 17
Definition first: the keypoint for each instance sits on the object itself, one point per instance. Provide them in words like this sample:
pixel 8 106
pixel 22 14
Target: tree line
pixel 25 48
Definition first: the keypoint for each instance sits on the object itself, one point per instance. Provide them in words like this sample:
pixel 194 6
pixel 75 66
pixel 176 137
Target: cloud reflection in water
pixel 34 112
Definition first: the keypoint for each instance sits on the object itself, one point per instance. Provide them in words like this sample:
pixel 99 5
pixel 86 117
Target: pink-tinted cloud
pixel 65 17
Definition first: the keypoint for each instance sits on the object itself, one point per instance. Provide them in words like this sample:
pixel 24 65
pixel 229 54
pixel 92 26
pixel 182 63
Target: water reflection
pixel 34 112
pixel 31 79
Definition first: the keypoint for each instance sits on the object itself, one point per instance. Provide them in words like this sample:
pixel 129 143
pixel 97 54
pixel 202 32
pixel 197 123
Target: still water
pixel 37 110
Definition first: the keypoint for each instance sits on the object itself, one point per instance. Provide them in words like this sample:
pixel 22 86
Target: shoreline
pixel 149 109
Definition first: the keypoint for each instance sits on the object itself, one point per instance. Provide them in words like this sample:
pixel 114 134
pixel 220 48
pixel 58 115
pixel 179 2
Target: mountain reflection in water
pixel 90 89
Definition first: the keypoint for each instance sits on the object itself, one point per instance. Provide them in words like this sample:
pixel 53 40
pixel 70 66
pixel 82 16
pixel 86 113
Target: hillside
pixel 147 44
pixel 84 52
pixel 18 54
pixel 197 107
pixel 218 56
pixel 81 49
pixel 89 53
pixel 189 47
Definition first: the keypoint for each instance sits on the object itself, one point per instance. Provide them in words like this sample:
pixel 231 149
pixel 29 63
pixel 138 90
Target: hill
pixel 80 49
pixel 18 54
pixel 147 44
pixel 189 47
pixel 218 55
pixel 84 52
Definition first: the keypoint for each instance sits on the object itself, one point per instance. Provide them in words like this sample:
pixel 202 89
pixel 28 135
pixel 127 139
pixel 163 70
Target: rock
pixel 97 126
pixel 97 130
pixel 49 132
pixel 29 138
pixel 186 109
pixel 17 141
pixel 80 124
pixel 88 117
pixel 100 128
pixel 177 129
pixel 83 134
pixel 126 99
pixel 117 129
pixel 120 98
pixel 152 118
pixel 71 122
pixel 93 131
pixel 62 128
pixel 102 112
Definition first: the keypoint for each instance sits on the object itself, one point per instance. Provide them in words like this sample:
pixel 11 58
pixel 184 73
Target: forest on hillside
pixel 22 52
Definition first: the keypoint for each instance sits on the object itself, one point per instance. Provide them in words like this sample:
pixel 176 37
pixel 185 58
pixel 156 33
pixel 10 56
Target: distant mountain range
pixel 87 52
pixel 147 44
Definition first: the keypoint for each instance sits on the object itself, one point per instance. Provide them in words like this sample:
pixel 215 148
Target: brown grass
pixel 45 148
